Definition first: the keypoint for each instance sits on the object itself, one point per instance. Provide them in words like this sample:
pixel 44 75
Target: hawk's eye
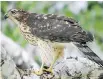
pixel 13 12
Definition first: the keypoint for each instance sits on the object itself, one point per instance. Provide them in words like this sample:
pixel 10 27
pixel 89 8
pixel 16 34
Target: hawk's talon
pixel 48 70
pixel 38 72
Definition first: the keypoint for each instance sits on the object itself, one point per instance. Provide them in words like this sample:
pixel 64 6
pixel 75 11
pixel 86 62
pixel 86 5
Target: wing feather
pixel 56 28
pixel 88 53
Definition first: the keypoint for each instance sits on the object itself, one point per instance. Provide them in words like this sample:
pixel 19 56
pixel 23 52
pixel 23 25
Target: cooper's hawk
pixel 50 32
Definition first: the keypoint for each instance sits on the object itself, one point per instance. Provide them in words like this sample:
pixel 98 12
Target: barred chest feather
pixel 43 45
pixel 25 30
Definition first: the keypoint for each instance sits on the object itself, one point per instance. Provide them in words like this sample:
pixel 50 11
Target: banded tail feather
pixel 88 53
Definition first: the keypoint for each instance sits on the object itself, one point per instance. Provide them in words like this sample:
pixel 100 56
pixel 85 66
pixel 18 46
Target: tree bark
pixel 69 68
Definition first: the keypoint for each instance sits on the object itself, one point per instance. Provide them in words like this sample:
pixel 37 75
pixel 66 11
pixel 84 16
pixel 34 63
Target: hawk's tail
pixel 88 53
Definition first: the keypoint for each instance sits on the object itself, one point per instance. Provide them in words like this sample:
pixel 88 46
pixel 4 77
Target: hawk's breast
pixel 25 30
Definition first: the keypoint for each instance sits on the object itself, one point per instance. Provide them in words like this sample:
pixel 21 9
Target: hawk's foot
pixel 49 70
pixel 38 72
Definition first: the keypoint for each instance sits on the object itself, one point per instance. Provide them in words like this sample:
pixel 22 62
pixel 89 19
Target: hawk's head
pixel 16 15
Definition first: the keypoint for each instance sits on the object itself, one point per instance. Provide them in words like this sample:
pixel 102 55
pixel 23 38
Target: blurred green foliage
pixel 91 19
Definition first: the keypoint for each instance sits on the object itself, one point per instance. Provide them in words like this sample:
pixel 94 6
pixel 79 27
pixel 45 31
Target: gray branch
pixel 68 68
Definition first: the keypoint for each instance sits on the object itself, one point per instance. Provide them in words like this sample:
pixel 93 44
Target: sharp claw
pixel 43 70
pixel 38 72
pixel 48 70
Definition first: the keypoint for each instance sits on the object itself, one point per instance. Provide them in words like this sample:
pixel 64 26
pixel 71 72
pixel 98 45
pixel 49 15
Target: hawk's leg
pixel 58 52
pixel 51 66
pixel 39 72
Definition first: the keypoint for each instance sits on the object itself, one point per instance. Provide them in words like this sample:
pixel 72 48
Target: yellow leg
pixel 58 52
pixel 51 66
pixel 39 72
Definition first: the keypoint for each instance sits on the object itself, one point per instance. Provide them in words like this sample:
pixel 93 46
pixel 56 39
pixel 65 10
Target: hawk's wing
pixel 56 28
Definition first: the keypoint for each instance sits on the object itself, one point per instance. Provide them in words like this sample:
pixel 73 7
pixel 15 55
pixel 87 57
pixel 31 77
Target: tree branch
pixel 69 68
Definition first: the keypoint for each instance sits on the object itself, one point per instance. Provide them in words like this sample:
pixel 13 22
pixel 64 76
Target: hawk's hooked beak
pixel 5 16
